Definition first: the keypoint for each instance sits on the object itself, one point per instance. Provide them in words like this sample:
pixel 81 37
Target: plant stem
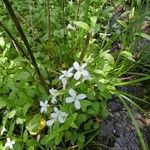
pixel 85 46
pixel 14 40
pixel 24 39
pixel 78 9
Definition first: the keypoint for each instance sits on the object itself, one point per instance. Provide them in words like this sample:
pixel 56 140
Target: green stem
pixel 24 39
pixel 14 40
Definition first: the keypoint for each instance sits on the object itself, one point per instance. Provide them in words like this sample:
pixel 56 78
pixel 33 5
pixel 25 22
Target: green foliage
pixel 68 32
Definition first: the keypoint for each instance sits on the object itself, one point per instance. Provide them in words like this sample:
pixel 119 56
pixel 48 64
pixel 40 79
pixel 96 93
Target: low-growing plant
pixel 75 60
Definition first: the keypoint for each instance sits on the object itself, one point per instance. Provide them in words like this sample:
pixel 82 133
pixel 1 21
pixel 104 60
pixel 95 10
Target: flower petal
pixel 72 93
pixel 41 103
pixel 70 69
pixel 85 73
pixel 54 115
pixel 56 110
pixel 54 101
pixel 77 104
pixel 42 110
pixel 53 91
pixel 69 99
pixel 61 77
pixel 50 122
pixel 46 102
pixel 61 119
pixel 76 65
pixel 63 114
pixel 77 75
pixel 81 96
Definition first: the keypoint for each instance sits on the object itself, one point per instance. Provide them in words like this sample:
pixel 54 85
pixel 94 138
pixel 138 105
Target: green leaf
pixel 85 104
pixel 25 108
pixel 68 123
pixel 20 120
pixel 88 125
pixel 80 119
pixel 123 24
pixel 25 136
pixel 132 116
pixel 23 75
pixel 58 138
pixel 96 107
pixel 93 21
pixel 109 58
pixel 12 114
pixel 139 3
pixel 81 24
pixel 81 138
pixel 1 146
pixel 107 68
pixel 146 36
pixel 91 111
pixel 127 55
pixel 2 103
pixel 33 125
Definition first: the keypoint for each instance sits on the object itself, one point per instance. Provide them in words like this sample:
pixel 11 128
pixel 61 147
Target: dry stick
pixel 24 39
pixel 14 40
pixel 86 44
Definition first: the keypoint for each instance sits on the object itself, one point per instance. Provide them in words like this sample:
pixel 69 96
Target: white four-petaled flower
pixel 44 106
pixel 9 143
pixel 57 115
pixel 81 71
pixel 75 98
pixel 65 75
pixel 54 94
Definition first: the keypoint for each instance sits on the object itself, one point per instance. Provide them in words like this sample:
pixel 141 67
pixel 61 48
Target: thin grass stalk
pixel 131 114
pixel 24 39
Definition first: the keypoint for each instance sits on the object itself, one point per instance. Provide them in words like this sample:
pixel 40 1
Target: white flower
pixel 3 130
pixel 65 75
pixel 57 115
pixel 44 106
pixel 54 94
pixel 75 98
pixel 81 71
pixel 9 143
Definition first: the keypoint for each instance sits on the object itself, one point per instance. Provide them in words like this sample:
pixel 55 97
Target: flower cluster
pixel 75 98
pixel 80 72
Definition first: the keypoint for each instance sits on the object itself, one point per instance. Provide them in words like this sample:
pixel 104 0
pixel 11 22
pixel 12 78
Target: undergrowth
pixel 60 63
